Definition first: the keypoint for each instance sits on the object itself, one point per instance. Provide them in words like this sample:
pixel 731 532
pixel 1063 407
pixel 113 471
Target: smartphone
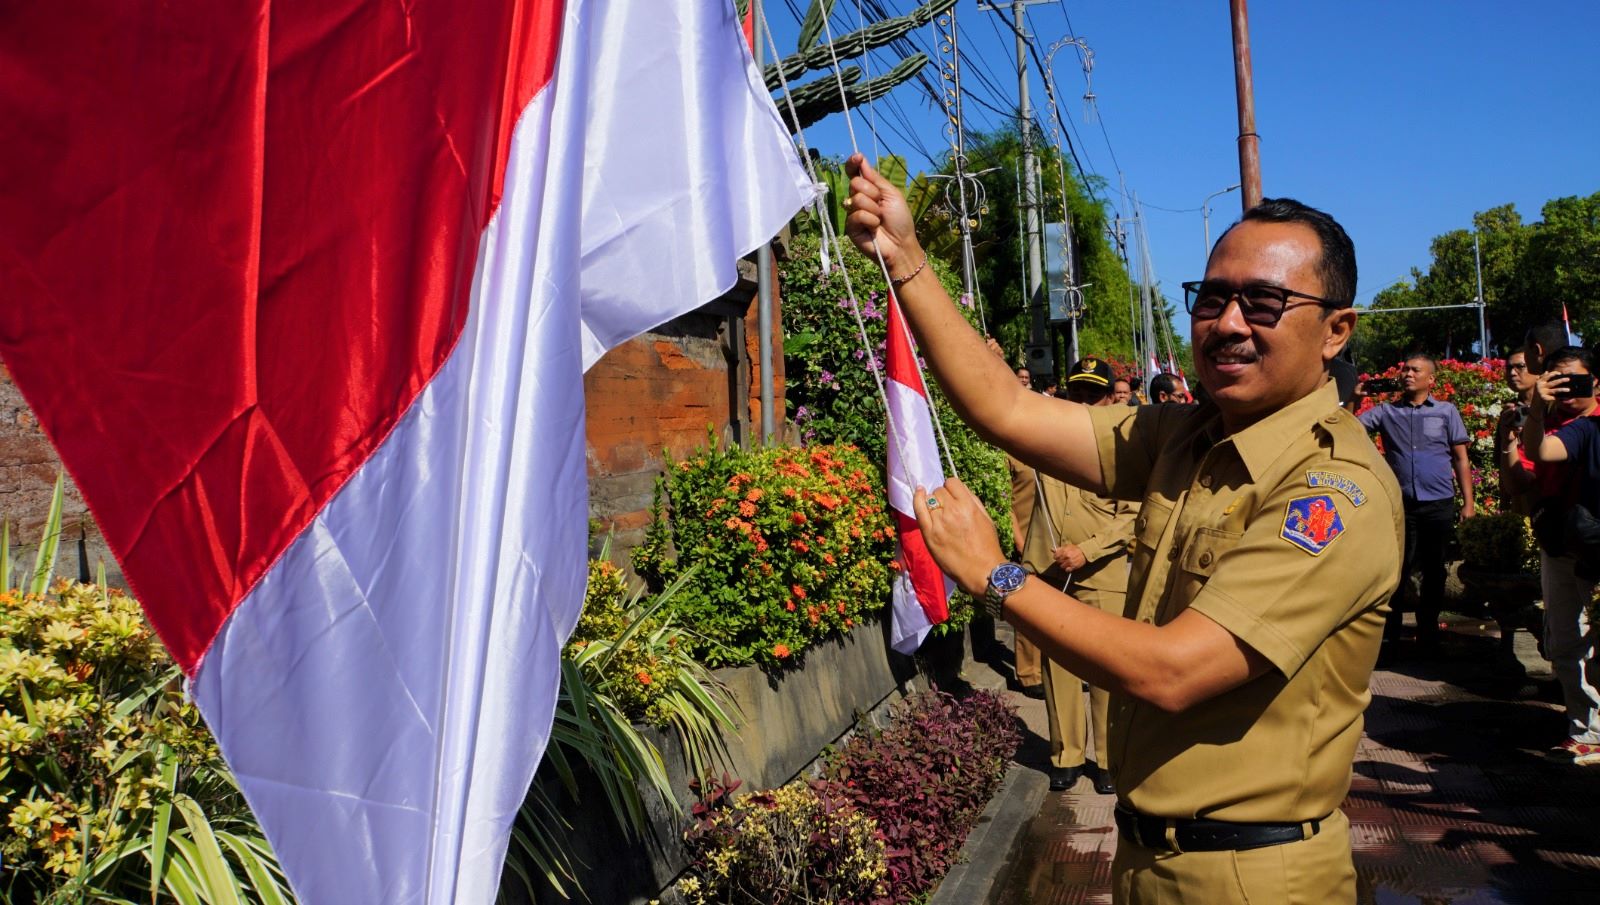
pixel 1383 385
pixel 1579 386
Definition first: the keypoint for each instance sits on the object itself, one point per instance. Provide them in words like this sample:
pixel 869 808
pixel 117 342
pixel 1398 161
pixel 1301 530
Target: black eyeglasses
pixel 1262 304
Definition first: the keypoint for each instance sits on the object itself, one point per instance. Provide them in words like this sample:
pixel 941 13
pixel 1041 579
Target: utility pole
pixel 1039 346
pixel 1483 329
pixel 1244 87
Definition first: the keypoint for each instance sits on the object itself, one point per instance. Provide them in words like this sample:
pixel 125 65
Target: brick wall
pixel 28 468
pixel 659 394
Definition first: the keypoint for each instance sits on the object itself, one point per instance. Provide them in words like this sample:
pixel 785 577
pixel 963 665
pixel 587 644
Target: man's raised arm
pixel 1053 435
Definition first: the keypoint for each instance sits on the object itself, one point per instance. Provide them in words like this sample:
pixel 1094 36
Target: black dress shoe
pixel 1103 783
pixel 1034 691
pixel 1064 778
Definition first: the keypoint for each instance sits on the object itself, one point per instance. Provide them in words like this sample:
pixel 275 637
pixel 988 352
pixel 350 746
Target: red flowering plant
pixel 1478 390
pixel 789 546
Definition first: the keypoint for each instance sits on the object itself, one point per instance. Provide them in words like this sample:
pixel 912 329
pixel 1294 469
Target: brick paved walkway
pixel 1453 798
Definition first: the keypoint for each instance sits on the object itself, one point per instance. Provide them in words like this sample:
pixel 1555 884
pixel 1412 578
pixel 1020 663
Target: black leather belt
pixel 1200 835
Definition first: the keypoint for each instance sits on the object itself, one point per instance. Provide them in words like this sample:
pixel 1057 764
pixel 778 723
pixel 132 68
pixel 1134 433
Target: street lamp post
pixel 1205 212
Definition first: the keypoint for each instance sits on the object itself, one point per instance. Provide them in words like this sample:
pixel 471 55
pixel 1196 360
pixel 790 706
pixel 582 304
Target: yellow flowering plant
pixel 111 789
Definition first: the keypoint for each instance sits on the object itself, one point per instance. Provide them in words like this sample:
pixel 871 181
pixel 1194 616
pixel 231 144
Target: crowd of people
pixel 1223 571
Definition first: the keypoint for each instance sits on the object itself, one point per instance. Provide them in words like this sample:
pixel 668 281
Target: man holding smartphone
pixel 1425 442
pixel 1562 437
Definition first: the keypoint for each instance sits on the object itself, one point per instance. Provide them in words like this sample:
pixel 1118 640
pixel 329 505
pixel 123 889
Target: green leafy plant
pixel 619 639
pixel 801 843
pixel 111 789
pixel 789 546
pixel 1499 542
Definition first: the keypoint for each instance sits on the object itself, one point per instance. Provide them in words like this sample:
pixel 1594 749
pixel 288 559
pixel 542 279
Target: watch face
pixel 1008 577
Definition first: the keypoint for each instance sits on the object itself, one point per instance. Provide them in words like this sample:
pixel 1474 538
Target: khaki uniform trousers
pixel 1029 659
pixel 1315 871
pixel 1063 700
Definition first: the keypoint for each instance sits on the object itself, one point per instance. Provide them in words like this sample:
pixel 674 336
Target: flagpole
pixel 763 294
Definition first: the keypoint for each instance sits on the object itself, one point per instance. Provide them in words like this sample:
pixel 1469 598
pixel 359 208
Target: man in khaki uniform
pixel 1078 541
pixel 1267 548
pixel 1030 673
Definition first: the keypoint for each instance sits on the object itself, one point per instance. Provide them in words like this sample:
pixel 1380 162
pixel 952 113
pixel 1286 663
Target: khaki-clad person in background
pixel 1078 541
pixel 1268 546
pixel 1030 672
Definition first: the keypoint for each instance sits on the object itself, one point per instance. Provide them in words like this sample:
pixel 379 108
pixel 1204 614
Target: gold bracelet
pixel 901 281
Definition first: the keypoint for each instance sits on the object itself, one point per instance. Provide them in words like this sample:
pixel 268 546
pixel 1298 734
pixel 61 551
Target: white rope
pixel 888 281
pixel 830 238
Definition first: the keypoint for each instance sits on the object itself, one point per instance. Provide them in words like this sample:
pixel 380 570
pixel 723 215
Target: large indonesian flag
pixel 921 592
pixel 303 293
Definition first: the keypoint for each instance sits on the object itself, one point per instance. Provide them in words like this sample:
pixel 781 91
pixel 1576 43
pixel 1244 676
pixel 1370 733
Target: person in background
pixel 1122 392
pixel 1559 435
pixel 1079 541
pixel 1028 663
pixel 1166 388
pixel 1425 442
pixel 1517 486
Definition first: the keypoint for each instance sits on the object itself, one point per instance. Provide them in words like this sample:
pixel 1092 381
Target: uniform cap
pixel 1091 370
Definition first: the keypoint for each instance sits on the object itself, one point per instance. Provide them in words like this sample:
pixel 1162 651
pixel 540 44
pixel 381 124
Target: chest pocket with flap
pixel 1206 548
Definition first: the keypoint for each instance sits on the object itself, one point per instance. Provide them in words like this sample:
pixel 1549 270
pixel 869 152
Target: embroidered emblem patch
pixel 1312 523
pixel 1337 482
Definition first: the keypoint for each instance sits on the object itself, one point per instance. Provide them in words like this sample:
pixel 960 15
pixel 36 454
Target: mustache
pixel 1230 349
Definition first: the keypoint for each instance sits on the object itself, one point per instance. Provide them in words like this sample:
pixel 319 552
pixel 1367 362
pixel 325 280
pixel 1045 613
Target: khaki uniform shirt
pixel 1101 527
pixel 1288 535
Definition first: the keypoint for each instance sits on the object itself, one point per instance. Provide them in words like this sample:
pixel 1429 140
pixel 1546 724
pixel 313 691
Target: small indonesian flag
pixel 921 591
pixel 303 294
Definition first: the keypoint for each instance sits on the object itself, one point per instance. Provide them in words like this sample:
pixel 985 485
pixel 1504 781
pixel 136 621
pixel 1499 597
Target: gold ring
pixel 933 503
pixel 849 201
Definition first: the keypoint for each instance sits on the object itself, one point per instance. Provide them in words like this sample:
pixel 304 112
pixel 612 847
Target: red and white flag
pixel 921 591
pixel 303 293
pixel 1572 339
pixel 1172 365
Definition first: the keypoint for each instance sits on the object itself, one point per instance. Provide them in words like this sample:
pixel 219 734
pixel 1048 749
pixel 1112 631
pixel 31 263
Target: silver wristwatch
pixel 1004 580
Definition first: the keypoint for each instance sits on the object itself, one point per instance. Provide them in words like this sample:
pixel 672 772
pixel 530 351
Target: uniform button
pixel 1172 552
pixel 1140 525
pixel 1205 481
pixel 1205 559
pixel 1331 419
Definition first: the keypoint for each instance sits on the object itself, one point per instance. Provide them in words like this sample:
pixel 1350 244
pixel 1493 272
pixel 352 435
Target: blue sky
pixel 1400 118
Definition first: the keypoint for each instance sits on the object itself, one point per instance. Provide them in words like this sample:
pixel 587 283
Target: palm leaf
pixel 161 831
pixel 44 561
pixel 258 868
pixel 217 881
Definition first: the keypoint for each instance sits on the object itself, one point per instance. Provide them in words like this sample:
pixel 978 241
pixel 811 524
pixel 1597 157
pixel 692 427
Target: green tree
pixel 1529 271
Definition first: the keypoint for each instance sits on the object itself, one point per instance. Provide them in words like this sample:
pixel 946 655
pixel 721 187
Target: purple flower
pixel 860 355
pixel 802 413
pixel 966 300
pixel 827 376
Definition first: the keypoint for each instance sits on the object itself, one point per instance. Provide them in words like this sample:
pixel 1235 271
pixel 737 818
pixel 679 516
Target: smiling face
pixel 1249 370
pixel 1573 406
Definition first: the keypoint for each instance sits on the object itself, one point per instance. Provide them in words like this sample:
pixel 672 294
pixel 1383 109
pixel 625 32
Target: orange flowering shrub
pixel 788 546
